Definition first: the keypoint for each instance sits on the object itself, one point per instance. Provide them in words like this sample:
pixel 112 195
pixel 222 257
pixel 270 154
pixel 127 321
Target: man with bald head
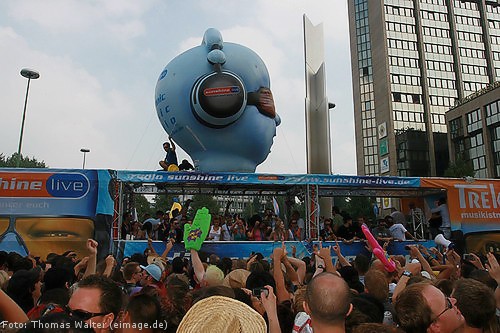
pixel 328 303
pixel 423 308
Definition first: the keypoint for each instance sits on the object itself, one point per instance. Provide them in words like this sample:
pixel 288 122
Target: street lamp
pixel 30 75
pixel 84 151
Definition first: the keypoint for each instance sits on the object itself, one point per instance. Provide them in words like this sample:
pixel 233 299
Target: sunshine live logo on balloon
pixel 43 185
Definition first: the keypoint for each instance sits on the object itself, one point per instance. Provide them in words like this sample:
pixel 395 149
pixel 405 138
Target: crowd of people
pixel 225 227
pixel 268 227
pixel 433 291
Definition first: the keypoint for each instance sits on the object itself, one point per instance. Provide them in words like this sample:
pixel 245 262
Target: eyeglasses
pixel 82 314
pixel 449 306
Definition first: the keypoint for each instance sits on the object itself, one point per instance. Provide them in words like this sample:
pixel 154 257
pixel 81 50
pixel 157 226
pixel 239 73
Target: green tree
pixel 162 202
pixel 460 169
pixel 202 200
pixel 252 208
pixel 142 205
pixel 359 206
pixel 25 162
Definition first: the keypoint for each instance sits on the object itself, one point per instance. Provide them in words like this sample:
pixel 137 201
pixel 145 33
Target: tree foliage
pixel 460 169
pixel 208 201
pixel 359 206
pixel 25 162
pixel 162 202
pixel 142 205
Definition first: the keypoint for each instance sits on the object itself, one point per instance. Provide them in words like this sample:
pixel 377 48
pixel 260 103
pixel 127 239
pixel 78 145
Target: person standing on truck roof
pixel 442 209
pixel 171 157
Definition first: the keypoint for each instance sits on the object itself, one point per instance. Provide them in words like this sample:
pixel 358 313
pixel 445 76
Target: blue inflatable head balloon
pixel 215 101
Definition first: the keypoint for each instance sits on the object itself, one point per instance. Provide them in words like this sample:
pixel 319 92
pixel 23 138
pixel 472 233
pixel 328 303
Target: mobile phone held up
pixel 257 292
pixel 468 257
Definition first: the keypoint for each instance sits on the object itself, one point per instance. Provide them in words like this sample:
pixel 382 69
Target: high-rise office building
pixel 474 132
pixel 412 60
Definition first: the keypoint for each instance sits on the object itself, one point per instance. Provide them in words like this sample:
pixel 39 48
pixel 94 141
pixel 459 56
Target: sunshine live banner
pixel 265 179
pixel 54 210
pixel 474 205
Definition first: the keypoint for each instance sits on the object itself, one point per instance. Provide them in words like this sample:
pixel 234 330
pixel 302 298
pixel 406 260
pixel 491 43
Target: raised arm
pixel 110 264
pixel 92 262
pixel 169 245
pixel 291 273
pixel 342 260
pixel 10 311
pixel 172 144
pixel 269 303
pixel 494 271
pixel 151 248
pixel 301 268
pixel 325 254
pixel 414 269
pixel 415 252
pixel 281 292
pixel 199 270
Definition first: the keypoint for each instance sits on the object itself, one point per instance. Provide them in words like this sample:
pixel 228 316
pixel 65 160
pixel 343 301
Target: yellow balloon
pixel 176 205
pixel 173 167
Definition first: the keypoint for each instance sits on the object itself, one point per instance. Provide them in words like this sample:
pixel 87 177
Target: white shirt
pixel 398 231
pixel 226 235
pixel 443 211
pixel 214 235
pixel 152 221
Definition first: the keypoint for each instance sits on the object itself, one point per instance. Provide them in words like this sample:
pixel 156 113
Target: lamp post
pixel 84 151
pixel 30 75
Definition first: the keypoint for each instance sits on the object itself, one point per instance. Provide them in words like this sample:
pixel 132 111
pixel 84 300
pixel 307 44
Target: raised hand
pixel 92 246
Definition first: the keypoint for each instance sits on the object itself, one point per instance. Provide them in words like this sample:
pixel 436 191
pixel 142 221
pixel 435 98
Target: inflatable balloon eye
pixel 218 99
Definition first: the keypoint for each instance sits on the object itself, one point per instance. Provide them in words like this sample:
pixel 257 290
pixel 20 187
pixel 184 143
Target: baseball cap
pixel 153 270
pixel 214 276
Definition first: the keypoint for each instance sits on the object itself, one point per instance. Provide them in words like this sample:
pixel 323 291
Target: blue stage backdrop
pixel 242 250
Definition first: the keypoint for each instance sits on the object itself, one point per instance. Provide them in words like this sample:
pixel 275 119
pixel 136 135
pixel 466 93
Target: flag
pixel 276 207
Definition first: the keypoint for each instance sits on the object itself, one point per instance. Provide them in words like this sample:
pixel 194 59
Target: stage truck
pixel 55 210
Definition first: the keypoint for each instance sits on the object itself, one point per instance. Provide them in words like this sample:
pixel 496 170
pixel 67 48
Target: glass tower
pixel 413 60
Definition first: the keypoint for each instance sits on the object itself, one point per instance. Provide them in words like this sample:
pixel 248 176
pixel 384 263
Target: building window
pixel 495 147
pixel 456 128
pixel 493 113
pixel 474 121
pixel 396 97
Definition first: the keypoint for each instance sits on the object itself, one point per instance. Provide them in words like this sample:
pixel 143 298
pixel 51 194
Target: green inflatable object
pixel 196 233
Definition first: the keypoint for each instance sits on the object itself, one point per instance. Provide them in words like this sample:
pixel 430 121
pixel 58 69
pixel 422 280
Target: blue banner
pixel 54 210
pixel 266 179
pixel 243 250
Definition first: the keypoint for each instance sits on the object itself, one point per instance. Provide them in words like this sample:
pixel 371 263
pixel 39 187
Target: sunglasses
pixel 82 314
pixel 449 306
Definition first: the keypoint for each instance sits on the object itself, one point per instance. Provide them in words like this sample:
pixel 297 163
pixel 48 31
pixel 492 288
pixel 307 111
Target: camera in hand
pixel 468 257
pixel 257 292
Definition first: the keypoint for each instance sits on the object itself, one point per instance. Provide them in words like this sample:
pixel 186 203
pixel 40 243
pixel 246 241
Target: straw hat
pixel 221 314
pixel 236 278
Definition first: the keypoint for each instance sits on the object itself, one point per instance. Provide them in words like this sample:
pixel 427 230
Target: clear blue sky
pixel 99 62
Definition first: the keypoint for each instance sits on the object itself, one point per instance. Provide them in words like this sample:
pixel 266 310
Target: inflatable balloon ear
pixel 377 250
pixel 196 233
pixel 215 101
